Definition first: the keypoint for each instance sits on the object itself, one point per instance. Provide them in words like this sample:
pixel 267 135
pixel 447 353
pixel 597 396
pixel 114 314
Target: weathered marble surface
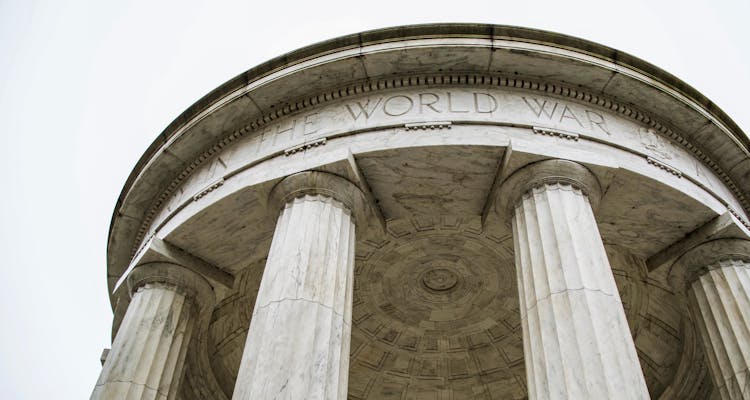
pixel 577 343
pixel 436 117
pixel 146 360
pixel 298 343
pixel 720 298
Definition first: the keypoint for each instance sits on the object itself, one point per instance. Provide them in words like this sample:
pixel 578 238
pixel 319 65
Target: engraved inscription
pixel 560 112
pixel 363 107
pixel 428 100
pixel 175 199
pixel 596 119
pixel 540 108
pixel 476 103
pixel 702 175
pixel 484 103
pixel 450 105
pixel 216 167
pixel 419 110
pixel 423 103
pixel 289 130
pixel 310 124
pixel 398 105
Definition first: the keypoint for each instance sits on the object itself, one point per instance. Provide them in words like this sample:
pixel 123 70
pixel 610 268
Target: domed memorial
pixel 448 211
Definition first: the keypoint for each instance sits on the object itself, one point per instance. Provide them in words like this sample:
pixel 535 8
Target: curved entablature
pixel 435 77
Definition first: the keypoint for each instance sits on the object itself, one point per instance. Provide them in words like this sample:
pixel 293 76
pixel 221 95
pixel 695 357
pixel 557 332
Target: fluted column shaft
pixel 298 343
pixel 147 355
pixel 577 344
pixel 720 299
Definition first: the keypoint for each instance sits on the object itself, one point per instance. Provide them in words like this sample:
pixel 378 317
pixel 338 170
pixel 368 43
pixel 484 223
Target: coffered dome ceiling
pixel 436 316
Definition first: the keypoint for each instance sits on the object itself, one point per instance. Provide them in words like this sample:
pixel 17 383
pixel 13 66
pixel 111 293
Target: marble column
pixel 717 279
pixel 148 353
pixel 297 346
pixel 577 344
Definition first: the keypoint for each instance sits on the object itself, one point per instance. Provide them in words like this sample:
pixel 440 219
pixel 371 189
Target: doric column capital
pixel 180 279
pixel 705 257
pixel 322 183
pixel 563 173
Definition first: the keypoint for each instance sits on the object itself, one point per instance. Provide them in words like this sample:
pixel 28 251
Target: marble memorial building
pixel 444 212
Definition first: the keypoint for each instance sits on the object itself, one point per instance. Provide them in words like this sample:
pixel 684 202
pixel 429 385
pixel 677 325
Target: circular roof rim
pixel 422 31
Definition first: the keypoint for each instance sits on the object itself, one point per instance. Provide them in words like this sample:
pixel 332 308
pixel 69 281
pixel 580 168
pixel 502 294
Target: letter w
pixel 540 107
pixel 363 109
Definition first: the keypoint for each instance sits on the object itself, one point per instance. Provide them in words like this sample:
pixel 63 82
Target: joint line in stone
pixel 299 299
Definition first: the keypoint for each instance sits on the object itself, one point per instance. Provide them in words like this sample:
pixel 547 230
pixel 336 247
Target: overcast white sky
pixel 85 86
